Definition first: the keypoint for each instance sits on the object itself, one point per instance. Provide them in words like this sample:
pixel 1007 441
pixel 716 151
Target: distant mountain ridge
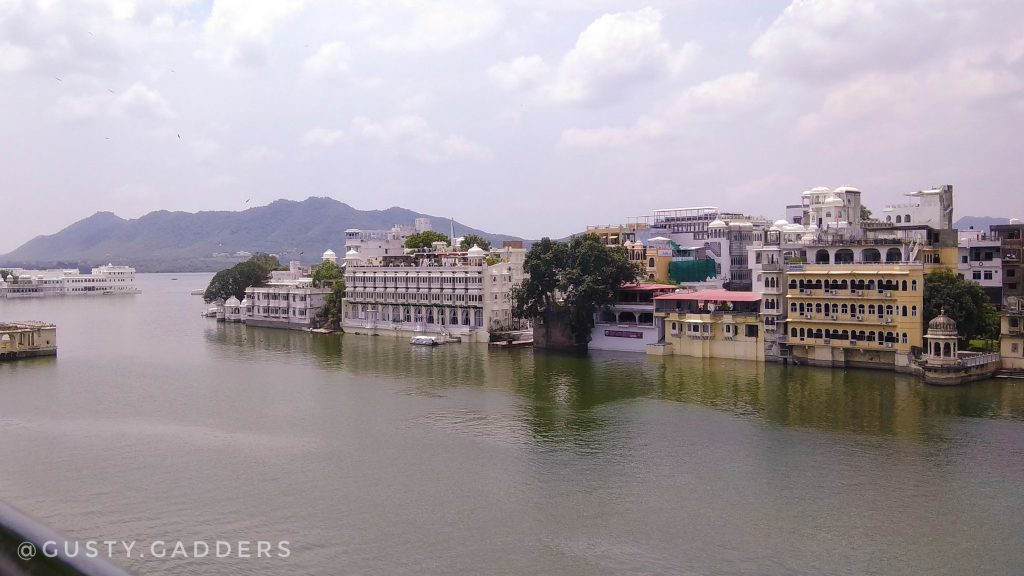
pixel 978 222
pixel 165 241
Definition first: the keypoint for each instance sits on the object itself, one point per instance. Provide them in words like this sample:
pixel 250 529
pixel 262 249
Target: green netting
pixel 691 270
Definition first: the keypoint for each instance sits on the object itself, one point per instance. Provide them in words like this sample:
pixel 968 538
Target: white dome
pixel 232 302
pixel 780 223
pixel 717 223
pixel 1014 220
pixel 638 244
pixel 792 228
pixel 329 254
pixel 627 244
pixel 808 237
pixel 833 200
pixel 475 251
pixel 245 301
pixel 351 254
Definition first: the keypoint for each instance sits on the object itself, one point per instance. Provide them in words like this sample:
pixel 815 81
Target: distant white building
pixel 979 260
pixel 932 207
pixel 441 291
pixel 373 245
pixel 107 280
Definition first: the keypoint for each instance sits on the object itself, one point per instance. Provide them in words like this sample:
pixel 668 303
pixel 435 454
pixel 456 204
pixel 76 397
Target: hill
pixel 207 241
pixel 978 222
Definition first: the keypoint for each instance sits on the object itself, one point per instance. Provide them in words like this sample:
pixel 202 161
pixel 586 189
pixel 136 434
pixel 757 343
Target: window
pixel 1011 272
pixel 906 219
pixel 988 274
pixel 913 311
pixel 1015 348
pixel 963 259
pixel 976 276
pixel 751 331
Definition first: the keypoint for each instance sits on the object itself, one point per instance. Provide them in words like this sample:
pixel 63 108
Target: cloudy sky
pixel 530 117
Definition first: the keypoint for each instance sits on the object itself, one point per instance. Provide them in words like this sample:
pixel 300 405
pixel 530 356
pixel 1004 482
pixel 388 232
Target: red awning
pixel 712 296
pixel 642 287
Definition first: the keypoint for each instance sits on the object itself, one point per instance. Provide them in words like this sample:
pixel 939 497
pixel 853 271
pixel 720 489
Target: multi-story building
pixel 464 294
pixel 107 279
pixel 289 300
pixel 629 324
pixel 709 324
pixel 979 261
pixel 932 208
pixel 373 246
pixel 867 314
pixel 1011 246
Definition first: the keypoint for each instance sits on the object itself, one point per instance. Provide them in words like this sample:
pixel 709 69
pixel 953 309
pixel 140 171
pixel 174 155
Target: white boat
pixel 198 292
pixel 210 312
pixel 425 341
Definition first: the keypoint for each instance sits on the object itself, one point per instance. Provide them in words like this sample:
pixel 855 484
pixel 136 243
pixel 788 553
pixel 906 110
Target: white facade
pixel 107 279
pixel 933 207
pixel 440 292
pixel 979 260
pixel 373 245
pixel 293 305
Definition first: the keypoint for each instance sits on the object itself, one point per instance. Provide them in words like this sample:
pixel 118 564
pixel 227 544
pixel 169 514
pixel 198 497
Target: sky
pixel 526 117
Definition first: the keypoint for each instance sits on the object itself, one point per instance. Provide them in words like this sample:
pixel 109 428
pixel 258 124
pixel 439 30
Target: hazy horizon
pixel 527 118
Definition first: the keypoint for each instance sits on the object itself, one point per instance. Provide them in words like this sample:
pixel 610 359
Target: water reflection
pixel 561 395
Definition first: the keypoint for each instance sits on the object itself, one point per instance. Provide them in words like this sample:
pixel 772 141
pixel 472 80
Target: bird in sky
pixel 111 91
pixel 57 79
pixel 247 201
pixel 179 136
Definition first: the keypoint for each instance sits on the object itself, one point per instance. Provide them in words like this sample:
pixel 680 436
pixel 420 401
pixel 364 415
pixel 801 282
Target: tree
pixel 234 281
pixel 268 261
pixel 425 239
pixel 963 301
pixel 327 274
pixel 470 240
pixel 5 273
pixel 330 312
pixel 575 280
pixel 865 213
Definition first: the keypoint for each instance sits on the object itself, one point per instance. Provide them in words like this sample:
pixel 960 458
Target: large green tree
pixel 328 274
pixel 5 273
pixel 470 240
pixel 234 281
pixel 963 301
pixel 573 281
pixel 425 239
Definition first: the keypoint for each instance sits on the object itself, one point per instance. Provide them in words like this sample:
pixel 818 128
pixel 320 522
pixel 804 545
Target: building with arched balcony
pixel 855 314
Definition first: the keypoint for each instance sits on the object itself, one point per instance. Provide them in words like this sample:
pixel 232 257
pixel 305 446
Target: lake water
pixel 370 456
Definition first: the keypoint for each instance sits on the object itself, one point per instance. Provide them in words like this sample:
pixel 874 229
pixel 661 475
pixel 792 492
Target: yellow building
pixel 1011 335
pixel 866 315
pixel 709 324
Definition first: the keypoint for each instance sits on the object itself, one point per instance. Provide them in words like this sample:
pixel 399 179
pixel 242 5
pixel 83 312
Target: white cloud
pixel 138 101
pixel 521 73
pixel 260 155
pixel 331 60
pixel 322 137
pixel 141 100
pixel 239 31
pixel 721 99
pixel 442 25
pixel 614 52
pixel 14 58
pixel 412 136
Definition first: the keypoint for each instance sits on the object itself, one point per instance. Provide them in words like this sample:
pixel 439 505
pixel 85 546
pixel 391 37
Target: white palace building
pixel 440 291
pixel 107 279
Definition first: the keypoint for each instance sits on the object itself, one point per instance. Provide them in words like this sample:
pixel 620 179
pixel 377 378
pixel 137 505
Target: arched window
pixel 904 337
pixel 904 314
pixel 821 257
pixel 913 311
pixel 947 350
pixel 898 219
pixel 871 255
pixel 871 309
pixel 888 217
pixel 792 332
pixel 817 308
pixel 904 286
pixel 607 316
pixel 893 255
pixel 844 256
pixel 802 333
pixel 646 318
pixel 913 285
pixel 650 263
pixel 844 309
pixel 906 219
pixel 792 284
pixel 937 349
pixel 627 318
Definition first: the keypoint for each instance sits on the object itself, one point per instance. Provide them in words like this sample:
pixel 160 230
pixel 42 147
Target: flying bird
pixel 57 79
pixel 179 136
pixel 111 91
pixel 247 201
